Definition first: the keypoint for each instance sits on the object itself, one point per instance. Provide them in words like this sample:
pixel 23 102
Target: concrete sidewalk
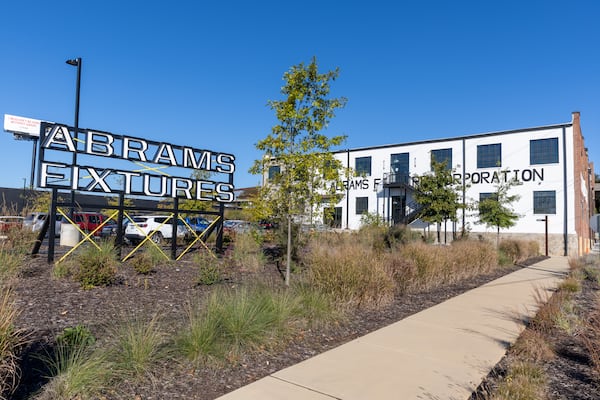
pixel 443 352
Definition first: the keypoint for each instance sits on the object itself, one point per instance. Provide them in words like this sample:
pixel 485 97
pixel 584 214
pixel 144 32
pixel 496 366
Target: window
pixel 362 165
pixel 544 202
pixel 489 155
pixel 442 156
pixel 333 217
pixel 362 205
pixel 543 151
pixel 485 196
pixel 274 170
pixel 400 168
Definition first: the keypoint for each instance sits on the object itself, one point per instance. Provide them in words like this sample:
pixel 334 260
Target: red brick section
pixel 583 170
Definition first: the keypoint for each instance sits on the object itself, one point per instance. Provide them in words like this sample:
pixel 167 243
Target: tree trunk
pixel 289 251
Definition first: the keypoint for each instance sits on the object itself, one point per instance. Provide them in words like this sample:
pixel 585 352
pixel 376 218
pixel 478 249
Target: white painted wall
pixel 515 157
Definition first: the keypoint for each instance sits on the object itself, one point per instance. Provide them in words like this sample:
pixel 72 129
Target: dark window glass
pixel 485 196
pixel 273 171
pixel 362 205
pixel 400 167
pixel 442 156
pixel 489 155
pixel 362 165
pixel 160 220
pixel 544 202
pixel 543 151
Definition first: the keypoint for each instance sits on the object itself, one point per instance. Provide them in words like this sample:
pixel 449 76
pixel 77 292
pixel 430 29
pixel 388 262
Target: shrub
pixel 78 336
pixel 209 269
pixel 142 263
pixel 95 267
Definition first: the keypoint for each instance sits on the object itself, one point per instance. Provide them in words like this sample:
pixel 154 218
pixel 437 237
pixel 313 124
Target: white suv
pixel 143 226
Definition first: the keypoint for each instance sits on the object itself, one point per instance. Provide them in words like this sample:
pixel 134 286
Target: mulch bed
pixel 48 306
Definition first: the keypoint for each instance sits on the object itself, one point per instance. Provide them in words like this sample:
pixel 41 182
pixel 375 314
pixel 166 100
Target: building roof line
pixel 474 136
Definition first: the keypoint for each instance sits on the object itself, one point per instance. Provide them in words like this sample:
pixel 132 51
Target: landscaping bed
pixel 48 306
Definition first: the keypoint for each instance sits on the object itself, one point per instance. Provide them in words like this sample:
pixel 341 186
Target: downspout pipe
pixel 565 194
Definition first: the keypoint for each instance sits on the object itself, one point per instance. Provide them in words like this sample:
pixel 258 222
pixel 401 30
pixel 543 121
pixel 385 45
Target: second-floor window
pixel 443 156
pixel 362 166
pixel 489 155
pixel 543 151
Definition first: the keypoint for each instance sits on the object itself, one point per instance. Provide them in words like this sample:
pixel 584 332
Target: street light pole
pixel 76 63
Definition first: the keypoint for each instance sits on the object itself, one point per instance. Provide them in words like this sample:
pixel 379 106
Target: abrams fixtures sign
pixel 59 139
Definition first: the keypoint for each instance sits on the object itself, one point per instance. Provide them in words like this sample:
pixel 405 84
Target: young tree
pixel 495 211
pixel 308 173
pixel 438 195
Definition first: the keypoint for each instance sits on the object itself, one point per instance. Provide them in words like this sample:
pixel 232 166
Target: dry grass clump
pixel 591 339
pixel 519 250
pixel 11 340
pixel 525 381
pixel 533 346
pixel 247 251
pixel 357 272
pixel 354 275
pixel 430 266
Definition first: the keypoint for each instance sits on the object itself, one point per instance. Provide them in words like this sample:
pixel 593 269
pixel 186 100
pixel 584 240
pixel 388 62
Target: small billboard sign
pixel 22 126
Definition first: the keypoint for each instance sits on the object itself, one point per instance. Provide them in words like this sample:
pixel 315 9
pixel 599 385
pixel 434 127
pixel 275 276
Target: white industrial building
pixel 550 161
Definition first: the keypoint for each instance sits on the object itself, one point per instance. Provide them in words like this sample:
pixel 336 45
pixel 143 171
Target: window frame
pixel 364 208
pixel 358 170
pixel 538 197
pixel 437 159
pixel 489 155
pixel 543 151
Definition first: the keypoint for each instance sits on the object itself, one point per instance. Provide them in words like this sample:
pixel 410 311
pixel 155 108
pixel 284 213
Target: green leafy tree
pixel 495 211
pixel 308 173
pixel 437 192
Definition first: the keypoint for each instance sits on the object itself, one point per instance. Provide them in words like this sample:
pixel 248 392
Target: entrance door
pixel 398 209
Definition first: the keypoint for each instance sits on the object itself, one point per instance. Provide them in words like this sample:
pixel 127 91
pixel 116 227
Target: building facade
pixel 556 190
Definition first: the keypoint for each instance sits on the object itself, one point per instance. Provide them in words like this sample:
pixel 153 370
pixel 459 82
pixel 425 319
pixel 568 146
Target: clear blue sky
pixel 200 73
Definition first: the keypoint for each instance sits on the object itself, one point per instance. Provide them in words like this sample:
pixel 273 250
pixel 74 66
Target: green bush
pixel 143 264
pixel 78 336
pixel 95 266
pixel 209 269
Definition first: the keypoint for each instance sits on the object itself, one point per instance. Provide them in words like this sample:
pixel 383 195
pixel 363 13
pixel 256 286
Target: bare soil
pixel 49 305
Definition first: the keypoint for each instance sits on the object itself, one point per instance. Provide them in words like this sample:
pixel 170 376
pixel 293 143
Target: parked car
pixel 198 224
pixel 35 222
pixel 110 228
pixel 9 222
pixel 89 221
pixel 142 226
